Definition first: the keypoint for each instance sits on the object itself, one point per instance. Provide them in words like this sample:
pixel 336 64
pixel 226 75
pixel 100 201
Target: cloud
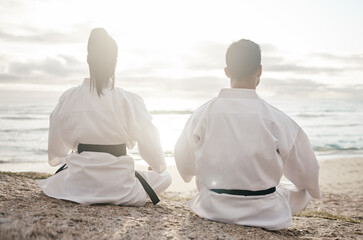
pixel 211 56
pixel 60 67
pixel 268 48
pixel 206 55
pixel 352 58
pixel 205 87
pixel 200 87
pixel 305 88
pixel 55 66
pixel 77 33
pixel 8 77
pixel 353 91
pixel 200 59
pixel 279 61
pixel 352 62
pixel 285 87
pixel 195 73
pixel 295 68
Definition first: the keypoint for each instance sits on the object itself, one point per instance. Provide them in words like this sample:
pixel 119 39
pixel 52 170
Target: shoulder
pixel 127 95
pixel 67 95
pixel 203 109
pixel 71 96
pixel 74 91
pixel 280 122
pixel 200 115
pixel 130 100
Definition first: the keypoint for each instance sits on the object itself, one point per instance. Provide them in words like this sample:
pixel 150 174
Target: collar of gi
pixel 238 93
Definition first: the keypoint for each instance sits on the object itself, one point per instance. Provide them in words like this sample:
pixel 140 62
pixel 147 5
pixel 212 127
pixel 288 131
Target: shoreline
pixel 25 212
pixel 178 185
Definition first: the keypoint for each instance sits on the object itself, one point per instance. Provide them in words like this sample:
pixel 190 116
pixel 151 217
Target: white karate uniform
pixel 117 117
pixel 238 141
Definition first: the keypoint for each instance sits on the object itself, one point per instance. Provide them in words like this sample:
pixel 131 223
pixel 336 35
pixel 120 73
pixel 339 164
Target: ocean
pixel 334 127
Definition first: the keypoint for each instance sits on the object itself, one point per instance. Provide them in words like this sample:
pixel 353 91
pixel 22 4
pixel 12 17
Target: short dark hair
pixel 243 58
pixel 102 57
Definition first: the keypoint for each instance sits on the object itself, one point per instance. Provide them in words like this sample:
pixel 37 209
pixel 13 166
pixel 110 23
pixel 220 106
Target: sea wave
pixel 23 130
pixel 310 115
pixel 40 151
pixel 332 147
pixel 22 118
pixel 169 153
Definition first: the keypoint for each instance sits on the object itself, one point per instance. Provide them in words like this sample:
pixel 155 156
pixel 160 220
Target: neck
pixel 248 84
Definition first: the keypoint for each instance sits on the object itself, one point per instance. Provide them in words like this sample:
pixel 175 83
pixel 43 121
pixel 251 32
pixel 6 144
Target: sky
pixel 172 53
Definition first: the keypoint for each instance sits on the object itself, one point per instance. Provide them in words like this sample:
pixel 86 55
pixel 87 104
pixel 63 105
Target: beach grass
pixel 326 215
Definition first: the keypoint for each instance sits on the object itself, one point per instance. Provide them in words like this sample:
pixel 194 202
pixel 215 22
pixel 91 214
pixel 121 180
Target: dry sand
pixel 26 213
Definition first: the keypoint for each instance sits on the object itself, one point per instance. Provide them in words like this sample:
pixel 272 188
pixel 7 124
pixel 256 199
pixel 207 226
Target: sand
pixel 26 213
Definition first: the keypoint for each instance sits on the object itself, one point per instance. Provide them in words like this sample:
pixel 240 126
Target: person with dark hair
pixel 89 131
pixel 238 146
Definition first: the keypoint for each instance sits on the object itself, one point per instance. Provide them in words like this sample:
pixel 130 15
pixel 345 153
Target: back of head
pixel 102 59
pixel 243 59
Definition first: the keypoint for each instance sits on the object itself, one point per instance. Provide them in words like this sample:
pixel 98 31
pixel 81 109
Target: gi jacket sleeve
pixel 57 149
pixel 301 166
pixel 191 142
pixel 146 135
pixel 184 156
pixel 185 148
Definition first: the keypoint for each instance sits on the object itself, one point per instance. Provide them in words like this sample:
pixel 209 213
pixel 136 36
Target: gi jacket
pixel 116 117
pixel 238 141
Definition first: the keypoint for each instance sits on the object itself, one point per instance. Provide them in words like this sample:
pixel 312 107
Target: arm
pixel 57 150
pixel 146 134
pixel 301 166
pixel 150 148
pixel 184 155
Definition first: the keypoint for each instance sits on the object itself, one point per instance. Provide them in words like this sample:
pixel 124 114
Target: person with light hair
pixel 90 130
pixel 238 147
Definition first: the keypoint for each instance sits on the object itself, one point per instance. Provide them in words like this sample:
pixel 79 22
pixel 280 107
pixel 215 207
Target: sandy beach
pixel 26 213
